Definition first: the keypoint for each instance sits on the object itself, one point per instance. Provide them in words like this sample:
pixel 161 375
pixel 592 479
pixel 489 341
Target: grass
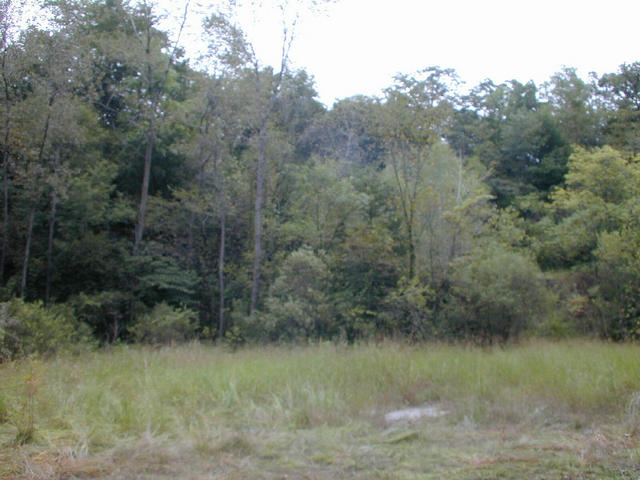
pixel 540 410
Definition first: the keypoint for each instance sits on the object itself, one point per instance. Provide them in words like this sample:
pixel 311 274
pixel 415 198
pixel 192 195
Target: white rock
pixel 414 413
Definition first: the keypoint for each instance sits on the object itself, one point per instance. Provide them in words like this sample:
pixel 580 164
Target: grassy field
pixel 567 410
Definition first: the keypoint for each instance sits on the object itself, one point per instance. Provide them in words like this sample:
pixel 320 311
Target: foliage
pixel 31 329
pixel 408 310
pixel 132 178
pixel 105 312
pixel 601 187
pixel 618 294
pixel 501 293
pixel 298 306
pixel 164 325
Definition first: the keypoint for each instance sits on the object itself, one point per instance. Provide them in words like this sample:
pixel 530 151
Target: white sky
pixel 358 45
pixel 361 44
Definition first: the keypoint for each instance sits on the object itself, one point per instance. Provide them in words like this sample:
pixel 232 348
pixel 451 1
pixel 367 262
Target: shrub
pixel 500 294
pixel 408 310
pixel 617 297
pixel 298 306
pixel 165 325
pixel 106 312
pixel 30 328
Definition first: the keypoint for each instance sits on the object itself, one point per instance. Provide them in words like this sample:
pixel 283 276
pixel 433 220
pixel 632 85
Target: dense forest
pixel 150 198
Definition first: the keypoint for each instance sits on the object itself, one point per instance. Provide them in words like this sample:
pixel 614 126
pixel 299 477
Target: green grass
pixel 539 410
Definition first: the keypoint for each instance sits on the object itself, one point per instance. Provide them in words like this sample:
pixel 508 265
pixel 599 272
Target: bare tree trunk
pixel 27 252
pixel 144 194
pixel 221 259
pixel 257 219
pixel 5 161
pixel 154 95
pixel 412 251
pixel 261 164
pixel 52 223
pixel 32 211
pixel 5 204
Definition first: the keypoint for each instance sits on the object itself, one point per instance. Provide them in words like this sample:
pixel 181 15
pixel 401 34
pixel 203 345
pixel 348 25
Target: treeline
pixel 150 200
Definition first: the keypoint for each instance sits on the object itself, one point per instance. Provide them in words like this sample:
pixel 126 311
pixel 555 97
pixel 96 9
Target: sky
pixel 356 46
pixel 359 45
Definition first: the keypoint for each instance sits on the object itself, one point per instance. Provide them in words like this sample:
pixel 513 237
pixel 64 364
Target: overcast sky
pixel 357 46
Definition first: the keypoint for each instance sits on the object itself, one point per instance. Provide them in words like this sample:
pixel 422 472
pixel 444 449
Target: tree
pixel 324 206
pixel 621 94
pixel 517 137
pixel 618 275
pixel 500 294
pixel 154 77
pixel 594 235
pixel 9 71
pixel 573 105
pixel 217 125
pixel 599 185
pixel 416 115
pixel 298 305
pixel 236 51
pixel 348 133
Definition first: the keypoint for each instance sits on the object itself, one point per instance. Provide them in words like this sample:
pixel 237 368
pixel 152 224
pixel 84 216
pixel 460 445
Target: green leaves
pixel 298 306
pixel 502 294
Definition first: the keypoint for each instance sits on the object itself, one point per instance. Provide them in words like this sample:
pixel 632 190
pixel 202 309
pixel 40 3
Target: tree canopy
pixel 141 189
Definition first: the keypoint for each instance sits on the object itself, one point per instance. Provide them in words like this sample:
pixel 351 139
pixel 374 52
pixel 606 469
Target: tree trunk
pixel 32 211
pixel 5 205
pixel 223 233
pixel 412 251
pixel 144 194
pixel 27 251
pixel 52 223
pixel 5 149
pixel 154 93
pixel 261 165
pixel 257 219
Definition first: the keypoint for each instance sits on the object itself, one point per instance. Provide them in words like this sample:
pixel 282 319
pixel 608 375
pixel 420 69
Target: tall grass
pixel 101 399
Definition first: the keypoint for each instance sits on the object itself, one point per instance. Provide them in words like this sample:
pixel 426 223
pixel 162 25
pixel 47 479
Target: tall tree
pixel 10 71
pixel 238 52
pixel 154 74
pixel 621 93
pixel 573 105
pixel 51 92
pixel 417 114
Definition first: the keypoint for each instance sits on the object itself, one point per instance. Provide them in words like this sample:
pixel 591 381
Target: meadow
pixel 543 410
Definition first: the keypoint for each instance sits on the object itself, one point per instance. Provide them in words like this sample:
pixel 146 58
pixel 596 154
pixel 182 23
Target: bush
pixel 298 306
pixel 106 312
pixel 165 325
pixel 500 293
pixel 30 328
pixel 408 310
pixel 617 297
